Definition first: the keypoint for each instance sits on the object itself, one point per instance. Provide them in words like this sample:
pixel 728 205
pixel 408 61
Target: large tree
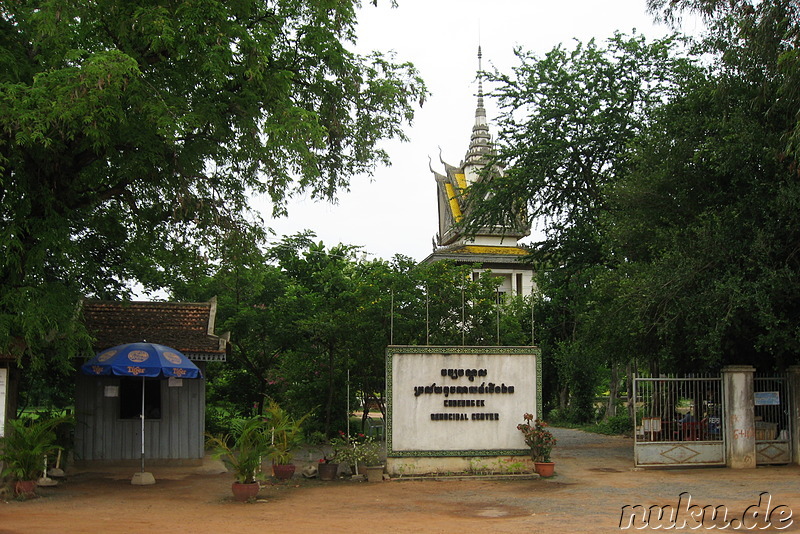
pixel 672 224
pixel 567 126
pixel 132 133
pixel 714 197
pixel 761 38
pixel 567 120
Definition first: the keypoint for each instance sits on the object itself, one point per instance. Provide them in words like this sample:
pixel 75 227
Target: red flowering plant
pixel 537 437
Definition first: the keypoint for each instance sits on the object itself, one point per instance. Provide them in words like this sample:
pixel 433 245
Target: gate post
pixel 739 408
pixel 793 376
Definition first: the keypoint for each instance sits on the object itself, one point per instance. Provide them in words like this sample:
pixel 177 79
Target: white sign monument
pixel 458 402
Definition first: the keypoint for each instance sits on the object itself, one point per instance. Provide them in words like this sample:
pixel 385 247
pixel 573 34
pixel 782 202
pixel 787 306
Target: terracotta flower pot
pixel 545 469
pixel 283 471
pixel 244 491
pixel 327 471
pixel 25 489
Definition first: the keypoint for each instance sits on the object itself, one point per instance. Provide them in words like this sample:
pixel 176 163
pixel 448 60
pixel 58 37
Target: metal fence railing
pixel 771 399
pixel 671 409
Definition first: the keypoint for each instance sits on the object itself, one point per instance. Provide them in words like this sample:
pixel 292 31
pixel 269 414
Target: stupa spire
pixel 480 81
pixel 480 142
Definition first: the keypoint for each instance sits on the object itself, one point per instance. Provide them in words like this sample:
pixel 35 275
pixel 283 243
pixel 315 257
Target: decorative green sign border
pixel 439 349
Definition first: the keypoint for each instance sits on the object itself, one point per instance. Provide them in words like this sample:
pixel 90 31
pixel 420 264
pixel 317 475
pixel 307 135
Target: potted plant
pixel 541 442
pixel 361 452
pixel 23 450
pixel 328 467
pixel 343 450
pixel 242 451
pixel 286 435
pixel 369 452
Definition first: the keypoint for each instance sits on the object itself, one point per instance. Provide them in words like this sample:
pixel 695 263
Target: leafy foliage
pixel 353 450
pixel 286 432
pixel 304 317
pixel 735 245
pixel 665 178
pixel 568 126
pixel 243 449
pixel 22 451
pixel 132 135
pixel 537 437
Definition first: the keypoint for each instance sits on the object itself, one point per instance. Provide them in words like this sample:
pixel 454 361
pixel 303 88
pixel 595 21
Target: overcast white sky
pixel 395 213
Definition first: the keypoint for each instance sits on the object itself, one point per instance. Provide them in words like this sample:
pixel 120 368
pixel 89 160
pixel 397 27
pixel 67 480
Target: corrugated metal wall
pixel 100 434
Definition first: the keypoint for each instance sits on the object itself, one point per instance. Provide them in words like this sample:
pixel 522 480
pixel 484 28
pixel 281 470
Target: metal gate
pixel 772 421
pixel 679 421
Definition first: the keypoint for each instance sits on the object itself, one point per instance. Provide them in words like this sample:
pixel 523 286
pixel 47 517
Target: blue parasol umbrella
pixel 148 360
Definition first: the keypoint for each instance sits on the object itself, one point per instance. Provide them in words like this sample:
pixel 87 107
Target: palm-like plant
pixel 243 449
pixel 23 450
pixel 286 432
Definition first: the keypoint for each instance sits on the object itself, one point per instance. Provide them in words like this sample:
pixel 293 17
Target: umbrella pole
pixel 142 417
pixel 142 478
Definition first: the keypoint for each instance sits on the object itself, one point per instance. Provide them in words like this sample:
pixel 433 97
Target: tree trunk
pixel 382 405
pixel 631 401
pixel 657 388
pixel 364 410
pixel 331 386
pixel 613 391
pixel 563 398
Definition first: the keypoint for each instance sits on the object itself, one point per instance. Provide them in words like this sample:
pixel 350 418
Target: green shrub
pixel 219 419
pixel 620 424
pixel 23 450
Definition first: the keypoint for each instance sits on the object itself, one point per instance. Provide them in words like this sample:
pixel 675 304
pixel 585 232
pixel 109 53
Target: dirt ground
pixel 595 479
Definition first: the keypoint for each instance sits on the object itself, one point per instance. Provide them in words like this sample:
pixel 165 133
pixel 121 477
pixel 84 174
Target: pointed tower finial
pixel 480 143
pixel 480 77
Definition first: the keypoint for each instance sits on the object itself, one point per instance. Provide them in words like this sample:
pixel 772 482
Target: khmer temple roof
pixel 454 183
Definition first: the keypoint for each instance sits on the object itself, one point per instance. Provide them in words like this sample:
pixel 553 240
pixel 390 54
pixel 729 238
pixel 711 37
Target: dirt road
pixel 594 481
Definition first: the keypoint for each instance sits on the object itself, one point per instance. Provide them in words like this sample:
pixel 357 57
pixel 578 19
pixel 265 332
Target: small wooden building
pixel 107 408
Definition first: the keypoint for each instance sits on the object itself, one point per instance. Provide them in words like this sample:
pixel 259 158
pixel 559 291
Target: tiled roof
pixel 186 326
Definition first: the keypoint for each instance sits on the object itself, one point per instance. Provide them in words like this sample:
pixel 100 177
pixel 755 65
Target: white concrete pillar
pixel 739 407
pixel 794 410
